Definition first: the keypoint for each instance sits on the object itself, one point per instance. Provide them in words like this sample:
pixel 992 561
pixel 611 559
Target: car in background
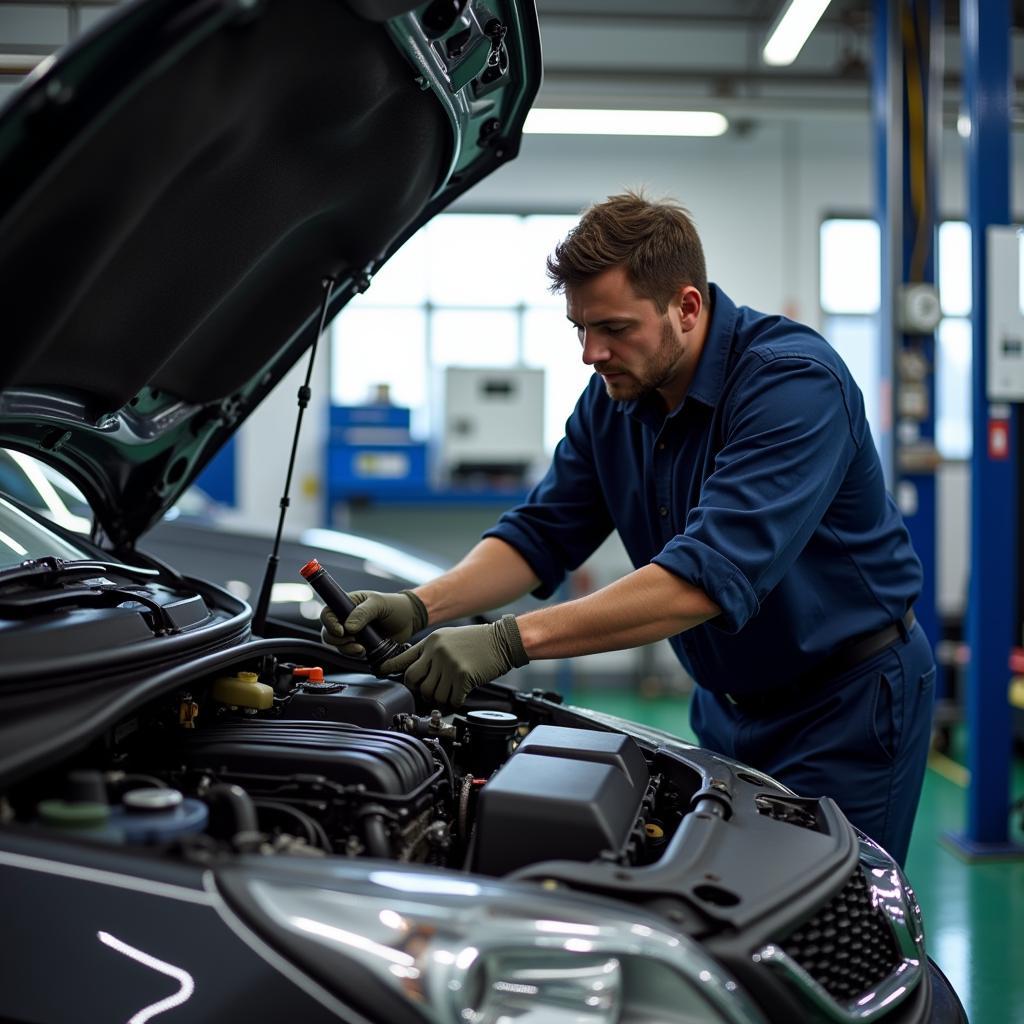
pixel 197 823
pixel 199 538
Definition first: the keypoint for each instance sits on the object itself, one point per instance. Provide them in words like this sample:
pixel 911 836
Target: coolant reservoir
pixel 244 690
pixel 153 815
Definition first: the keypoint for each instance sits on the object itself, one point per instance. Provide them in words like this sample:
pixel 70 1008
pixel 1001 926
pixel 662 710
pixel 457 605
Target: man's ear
pixel 689 305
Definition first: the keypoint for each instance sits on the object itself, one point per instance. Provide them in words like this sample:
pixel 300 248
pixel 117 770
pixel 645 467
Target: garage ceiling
pixel 685 53
pixel 648 53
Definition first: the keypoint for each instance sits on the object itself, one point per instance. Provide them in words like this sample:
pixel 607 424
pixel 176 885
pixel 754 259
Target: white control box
pixel 1005 377
pixel 490 422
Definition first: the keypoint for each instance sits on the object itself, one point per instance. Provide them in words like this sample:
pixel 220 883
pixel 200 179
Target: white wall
pixel 756 199
pixel 264 445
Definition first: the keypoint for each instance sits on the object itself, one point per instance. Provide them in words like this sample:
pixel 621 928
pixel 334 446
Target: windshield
pixel 42 489
pixel 22 537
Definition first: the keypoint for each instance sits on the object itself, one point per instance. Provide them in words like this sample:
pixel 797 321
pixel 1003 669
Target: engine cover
pixel 566 794
pixel 388 763
pixel 358 700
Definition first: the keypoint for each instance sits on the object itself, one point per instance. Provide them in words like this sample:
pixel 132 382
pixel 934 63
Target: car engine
pixel 276 756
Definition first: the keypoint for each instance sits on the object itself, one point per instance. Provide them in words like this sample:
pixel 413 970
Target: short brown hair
pixel 656 242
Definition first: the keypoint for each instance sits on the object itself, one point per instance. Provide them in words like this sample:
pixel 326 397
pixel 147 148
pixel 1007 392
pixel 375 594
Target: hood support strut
pixel 259 621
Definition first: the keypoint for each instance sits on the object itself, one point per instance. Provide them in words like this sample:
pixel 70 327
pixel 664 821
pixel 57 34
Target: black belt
pixel 835 665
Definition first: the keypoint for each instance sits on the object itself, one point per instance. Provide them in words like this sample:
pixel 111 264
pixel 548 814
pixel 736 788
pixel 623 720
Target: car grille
pixel 847 947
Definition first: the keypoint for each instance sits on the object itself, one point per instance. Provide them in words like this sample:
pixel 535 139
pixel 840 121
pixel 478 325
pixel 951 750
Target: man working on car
pixel 731 452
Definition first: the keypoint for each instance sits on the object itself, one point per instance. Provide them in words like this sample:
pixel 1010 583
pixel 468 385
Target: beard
pixel 655 373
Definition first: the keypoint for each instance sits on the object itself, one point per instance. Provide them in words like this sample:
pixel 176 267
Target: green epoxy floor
pixel 974 913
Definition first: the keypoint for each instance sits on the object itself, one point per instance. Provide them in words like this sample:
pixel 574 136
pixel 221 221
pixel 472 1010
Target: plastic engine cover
pixel 358 700
pixel 566 794
pixel 384 762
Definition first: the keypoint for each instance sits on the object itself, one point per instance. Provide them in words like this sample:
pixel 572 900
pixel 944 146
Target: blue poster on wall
pixel 218 478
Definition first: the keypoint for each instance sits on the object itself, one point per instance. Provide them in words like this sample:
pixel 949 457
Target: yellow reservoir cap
pixel 244 691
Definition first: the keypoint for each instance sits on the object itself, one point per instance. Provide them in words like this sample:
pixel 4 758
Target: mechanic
pixel 730 451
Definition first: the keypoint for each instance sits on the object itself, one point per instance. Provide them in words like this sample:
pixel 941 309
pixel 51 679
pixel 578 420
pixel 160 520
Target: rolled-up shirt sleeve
pixel 788 442
pixel 565 517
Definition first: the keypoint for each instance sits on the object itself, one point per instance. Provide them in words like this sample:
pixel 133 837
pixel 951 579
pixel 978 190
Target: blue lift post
pixel 906 107
pixel 887 116
pixel 986 31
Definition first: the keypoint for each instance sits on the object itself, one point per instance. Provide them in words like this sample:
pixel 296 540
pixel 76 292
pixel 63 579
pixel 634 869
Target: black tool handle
pixel 378 648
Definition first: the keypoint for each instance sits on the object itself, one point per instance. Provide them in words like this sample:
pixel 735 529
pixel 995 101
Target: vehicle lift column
pixel 992 613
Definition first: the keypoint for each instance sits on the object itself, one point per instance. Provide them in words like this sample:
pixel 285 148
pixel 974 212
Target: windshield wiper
pixel 49 570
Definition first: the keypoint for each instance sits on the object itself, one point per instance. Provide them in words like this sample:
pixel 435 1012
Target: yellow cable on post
pixel 918 140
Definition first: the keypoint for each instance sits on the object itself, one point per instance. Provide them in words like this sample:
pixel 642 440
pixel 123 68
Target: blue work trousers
pixel 861 738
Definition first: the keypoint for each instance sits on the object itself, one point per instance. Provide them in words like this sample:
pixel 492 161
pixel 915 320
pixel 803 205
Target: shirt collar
pixel 707 382
pixel 706 386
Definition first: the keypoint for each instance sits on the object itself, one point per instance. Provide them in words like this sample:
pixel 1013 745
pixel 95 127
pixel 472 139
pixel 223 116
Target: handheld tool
pixel 378 648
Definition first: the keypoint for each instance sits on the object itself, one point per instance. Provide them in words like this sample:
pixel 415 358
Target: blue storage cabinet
pixel 347 420
pixel 370 469
pixel 370 454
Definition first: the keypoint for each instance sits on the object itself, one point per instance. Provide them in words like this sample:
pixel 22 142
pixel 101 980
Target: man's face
pixel 633 346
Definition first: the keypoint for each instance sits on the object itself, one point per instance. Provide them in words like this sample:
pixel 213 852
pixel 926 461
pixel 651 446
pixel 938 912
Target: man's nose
pixel 594 350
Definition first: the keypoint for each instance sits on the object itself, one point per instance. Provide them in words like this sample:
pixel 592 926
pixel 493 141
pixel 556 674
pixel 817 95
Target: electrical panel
pixel 1005 342
pixel 491 422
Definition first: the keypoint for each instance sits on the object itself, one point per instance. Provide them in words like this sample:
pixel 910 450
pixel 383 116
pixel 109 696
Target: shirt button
pixel 661 446
pixel 662 511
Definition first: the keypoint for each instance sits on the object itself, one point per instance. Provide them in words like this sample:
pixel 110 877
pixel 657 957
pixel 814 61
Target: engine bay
pixel 274 756
pixel 281 757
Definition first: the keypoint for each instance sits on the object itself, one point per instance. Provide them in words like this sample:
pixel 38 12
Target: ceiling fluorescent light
pixel 550 121
pixel 790 32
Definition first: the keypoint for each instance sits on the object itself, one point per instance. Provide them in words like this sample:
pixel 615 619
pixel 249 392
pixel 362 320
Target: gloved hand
pixel 397 616
pixel 446 665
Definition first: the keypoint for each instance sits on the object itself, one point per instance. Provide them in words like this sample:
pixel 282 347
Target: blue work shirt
pixel 762 487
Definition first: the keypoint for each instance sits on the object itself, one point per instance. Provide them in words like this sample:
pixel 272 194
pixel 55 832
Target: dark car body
pixel 199 824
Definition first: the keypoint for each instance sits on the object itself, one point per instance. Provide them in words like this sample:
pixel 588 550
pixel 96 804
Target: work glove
pixel 446 665
pixel 397 616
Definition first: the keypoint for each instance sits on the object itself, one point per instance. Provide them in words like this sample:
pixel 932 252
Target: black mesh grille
pixel 847 947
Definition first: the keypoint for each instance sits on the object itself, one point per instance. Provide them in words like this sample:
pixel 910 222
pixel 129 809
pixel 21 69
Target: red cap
pixel 313 674
pixel 309 568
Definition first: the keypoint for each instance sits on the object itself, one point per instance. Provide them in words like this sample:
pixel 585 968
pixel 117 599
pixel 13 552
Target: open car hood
pixel 176 186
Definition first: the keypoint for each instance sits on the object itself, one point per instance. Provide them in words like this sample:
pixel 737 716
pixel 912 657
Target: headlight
pixel 461 951
pixel 532 989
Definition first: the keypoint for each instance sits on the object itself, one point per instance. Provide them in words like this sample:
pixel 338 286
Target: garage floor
pixel 974 912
